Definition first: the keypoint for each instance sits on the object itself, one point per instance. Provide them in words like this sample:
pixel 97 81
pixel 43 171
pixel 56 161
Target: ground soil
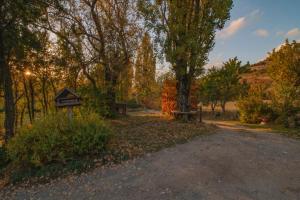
pixel 234 163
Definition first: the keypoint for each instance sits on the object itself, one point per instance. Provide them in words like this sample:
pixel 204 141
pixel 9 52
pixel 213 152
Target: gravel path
pixel 230 164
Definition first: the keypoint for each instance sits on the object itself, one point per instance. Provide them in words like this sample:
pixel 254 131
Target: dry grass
pixel 230 106
pixel 134 136
pixel 230 114
pixel 289 132
pixel 143 133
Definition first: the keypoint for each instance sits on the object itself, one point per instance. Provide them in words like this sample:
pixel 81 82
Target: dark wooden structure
pixel 121 108
pixel 67 98
pixel 188 116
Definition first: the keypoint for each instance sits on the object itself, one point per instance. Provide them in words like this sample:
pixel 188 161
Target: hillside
pixel 258 74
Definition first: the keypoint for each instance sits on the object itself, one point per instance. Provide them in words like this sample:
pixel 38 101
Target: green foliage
pixel 221 85
pixel 181 22
pixel 133 104
pixel 55 138
pixel 209 88
pixel 252 107
pixel 177 25
pixel 230 86
pixel 94 99
pixel 3 157
pixel 18 35
pixel 284 69
pixel 145 83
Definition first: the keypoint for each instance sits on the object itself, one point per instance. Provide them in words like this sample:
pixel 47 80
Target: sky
pixel 255 28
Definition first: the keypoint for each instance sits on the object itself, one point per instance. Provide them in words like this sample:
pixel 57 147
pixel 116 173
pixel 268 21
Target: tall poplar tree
pixel 145 70
pixel 186 30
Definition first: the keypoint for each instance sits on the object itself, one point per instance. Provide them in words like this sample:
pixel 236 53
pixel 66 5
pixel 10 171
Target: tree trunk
pixel 110 83
pixel 31 88
pixel 213 107
pixel 22 115
pixel 27 99
pixel 9 103
pixel 45 99
pixel 183 86
pixel 183 93
pixel 16 104
pixel 16 116
pixel 223 106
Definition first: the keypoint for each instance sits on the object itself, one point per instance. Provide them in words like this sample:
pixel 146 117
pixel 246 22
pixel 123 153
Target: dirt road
pixel 231 164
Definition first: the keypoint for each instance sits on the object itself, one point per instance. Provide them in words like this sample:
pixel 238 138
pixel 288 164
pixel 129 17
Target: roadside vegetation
pixel 101 52
pixel 275 128
pixel 275 103
pixel 54 147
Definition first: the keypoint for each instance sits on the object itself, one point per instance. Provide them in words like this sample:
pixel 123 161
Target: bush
pixel 169 97
pixel 55 138
pixel 133 104
pixel 254 110
pixel 3 157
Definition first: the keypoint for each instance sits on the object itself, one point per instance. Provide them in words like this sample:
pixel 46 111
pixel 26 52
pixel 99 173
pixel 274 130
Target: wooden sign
pixel 67 98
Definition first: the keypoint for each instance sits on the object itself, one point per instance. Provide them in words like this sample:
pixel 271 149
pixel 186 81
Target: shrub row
pixel 254 110
pixel 55 138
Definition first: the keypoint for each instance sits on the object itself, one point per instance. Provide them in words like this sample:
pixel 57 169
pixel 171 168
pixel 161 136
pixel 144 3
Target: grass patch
pixel 290 132
pixel 53 170
pixel 132 137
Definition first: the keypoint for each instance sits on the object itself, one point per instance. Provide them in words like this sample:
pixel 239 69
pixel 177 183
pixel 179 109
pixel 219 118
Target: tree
pixel 230 86
pixel 284 69
pixel 223 84
pixel 16 36
pixel 252 107
pixel 209 88
pixel 145 71
pixel 186 30
pixel 109 33
pixel 125 84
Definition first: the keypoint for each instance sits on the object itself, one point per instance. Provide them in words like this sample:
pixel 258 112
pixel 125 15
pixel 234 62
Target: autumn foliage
pixel 169 97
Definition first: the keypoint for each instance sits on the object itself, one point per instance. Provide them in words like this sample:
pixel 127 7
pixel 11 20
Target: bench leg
pixel 199 114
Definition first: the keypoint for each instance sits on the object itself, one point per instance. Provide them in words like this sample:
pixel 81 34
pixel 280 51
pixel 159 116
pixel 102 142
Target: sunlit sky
pixel 255 28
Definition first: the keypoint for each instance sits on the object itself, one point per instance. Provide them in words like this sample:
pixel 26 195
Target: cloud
pixel 232 29
pixel 261 33
pixel 238 24
pixel 280 33
pixel 255 15
pixel 295 32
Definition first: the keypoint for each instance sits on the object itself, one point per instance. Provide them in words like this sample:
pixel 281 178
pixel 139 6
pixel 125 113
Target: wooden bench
pixel 188 116
pixel 121 108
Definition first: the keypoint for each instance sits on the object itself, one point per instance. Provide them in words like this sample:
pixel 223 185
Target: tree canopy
pixel 224 84
pixel 284 69
pixel 145 67
pixel 17 37
pixel 186 31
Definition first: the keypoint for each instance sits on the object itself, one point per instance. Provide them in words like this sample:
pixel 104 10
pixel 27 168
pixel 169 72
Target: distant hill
pixel 258 74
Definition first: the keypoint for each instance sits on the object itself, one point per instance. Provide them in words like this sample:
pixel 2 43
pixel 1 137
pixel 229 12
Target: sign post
pixel 67 98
